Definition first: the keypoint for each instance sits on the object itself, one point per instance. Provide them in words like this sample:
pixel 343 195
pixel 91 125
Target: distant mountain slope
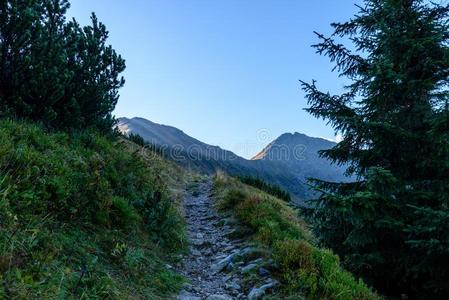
pixel 185 149
pixel 288 161
pixel 156 133
pixel 299 154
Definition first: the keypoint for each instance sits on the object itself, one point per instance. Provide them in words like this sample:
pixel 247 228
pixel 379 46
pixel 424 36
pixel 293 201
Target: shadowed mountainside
pixel 287 162
pixel 299 154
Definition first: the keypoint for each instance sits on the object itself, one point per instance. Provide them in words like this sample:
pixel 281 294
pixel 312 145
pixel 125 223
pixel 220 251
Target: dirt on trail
pixel 211 250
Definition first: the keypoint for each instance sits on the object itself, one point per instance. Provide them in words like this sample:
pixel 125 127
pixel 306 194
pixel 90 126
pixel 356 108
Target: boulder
pixel 219 266
pixel 248 268
pixel 257 293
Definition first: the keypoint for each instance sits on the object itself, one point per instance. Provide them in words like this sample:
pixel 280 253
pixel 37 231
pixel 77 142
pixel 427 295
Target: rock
pixel 233 286
pixel 257 293
pixel 212 252
pixel 225 230
pixel 230 232
pixel 246 251
pixel 219 297
pixel 207 218
pixel 220 255
pixel 230 267
pixel 229 248
pixel 187 296
pixel 218 267
pixel 195 252
pixel 188 287
pixel 224 244
pixel 198 242
pixel 248 268
pixel 251 265
pixel 257 261
pixel 263 272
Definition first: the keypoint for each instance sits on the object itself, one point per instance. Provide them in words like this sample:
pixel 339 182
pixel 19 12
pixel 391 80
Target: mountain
pixel 287 162
pixel 185 149
pixel 158 134
pixel 298 153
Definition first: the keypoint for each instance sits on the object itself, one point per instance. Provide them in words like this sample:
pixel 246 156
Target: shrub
pixel 271 189
pixel 137 139
pixel 123 213
pixel 58 72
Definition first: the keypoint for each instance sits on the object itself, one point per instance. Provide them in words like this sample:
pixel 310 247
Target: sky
pixel 224 71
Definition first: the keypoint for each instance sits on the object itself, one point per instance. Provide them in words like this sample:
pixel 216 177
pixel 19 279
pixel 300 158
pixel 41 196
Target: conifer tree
pixel 54 71
pixel 391 225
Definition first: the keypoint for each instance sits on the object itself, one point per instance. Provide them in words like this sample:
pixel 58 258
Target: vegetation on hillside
pixel 82 216
pixel 137 139
pixel 86 214
pixel 391 226
pixel 55 71
pixel 305 270
pixel 271 189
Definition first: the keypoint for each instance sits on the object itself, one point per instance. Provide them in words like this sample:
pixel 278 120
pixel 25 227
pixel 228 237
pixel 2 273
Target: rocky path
pixel 211 251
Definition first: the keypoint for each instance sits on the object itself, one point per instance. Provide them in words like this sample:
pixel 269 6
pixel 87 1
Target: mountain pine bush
pixel 54 71
pixel 391 225
pixel 271 189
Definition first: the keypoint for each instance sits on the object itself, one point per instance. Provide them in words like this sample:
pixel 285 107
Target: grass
pixel 304 270
pixel 271 189
pixel 83 216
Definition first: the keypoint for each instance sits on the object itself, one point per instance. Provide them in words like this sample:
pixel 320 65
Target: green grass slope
pixel 304 270
pixel 85 217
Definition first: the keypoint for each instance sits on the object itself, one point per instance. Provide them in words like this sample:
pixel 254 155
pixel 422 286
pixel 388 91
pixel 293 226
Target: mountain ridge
pixel 287 161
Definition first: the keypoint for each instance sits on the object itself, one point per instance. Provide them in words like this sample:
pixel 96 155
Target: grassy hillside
pixel 85 216
pixel 304 270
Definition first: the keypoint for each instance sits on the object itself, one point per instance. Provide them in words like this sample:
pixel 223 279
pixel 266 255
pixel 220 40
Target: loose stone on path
pixel 211 251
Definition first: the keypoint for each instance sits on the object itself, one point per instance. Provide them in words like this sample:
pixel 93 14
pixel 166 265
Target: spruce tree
pixel 391 225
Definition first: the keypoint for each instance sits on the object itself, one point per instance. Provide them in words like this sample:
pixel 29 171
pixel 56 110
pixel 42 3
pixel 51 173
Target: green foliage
pixel 139 140
pixel 273 190
pixel 80 217
pixel 55 71
pixel 305 270
pixel 123 213
pixel 391 225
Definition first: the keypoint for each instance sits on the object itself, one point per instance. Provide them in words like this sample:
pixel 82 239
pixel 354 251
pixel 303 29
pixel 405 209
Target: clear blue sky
pixel 223 71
